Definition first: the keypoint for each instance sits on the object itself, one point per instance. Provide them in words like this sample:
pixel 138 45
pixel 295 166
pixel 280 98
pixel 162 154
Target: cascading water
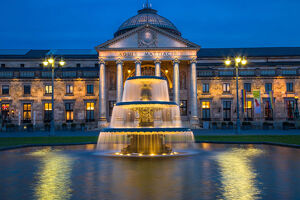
pixel 145 122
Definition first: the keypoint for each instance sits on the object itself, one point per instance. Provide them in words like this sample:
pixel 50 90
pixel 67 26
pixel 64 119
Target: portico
pixel 127 50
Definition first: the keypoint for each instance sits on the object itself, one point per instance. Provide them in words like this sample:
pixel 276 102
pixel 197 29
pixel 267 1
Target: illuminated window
pixel 290 106
pixel 27 112
pixel 183 108
pixel 90 111
pixel 247 87
pixel 289 87
pixel 69 89
pixel 69 112
pixel 226 110
pixel 268 87
pixel 205 110
pixel 268 110
pixel 90 89
pixel 47 112
pixel 5 111
pixel 249 111
pixel 226 87
pixel 27 89
pixel 205 88
pixel 48 89
pixel 5 89
pixel 111 106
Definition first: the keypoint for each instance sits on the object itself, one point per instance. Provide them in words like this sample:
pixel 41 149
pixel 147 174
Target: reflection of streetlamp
pixel 51 60
pixel 237 61
pixel 297 110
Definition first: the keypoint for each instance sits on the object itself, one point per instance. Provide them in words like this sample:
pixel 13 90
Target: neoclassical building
pixel 92 81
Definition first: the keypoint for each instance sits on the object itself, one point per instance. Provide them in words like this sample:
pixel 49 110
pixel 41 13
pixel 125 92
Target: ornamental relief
pixel 147 38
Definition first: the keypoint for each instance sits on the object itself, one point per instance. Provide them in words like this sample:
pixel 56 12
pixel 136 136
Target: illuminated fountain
pixel 145 122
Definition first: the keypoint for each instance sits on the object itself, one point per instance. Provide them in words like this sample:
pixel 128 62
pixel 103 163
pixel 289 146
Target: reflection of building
pixel 147 44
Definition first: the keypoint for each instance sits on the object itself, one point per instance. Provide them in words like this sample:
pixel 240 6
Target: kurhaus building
pixel 89 85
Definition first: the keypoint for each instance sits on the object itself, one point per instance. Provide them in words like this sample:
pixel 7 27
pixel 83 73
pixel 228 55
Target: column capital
pixel 157 61
pixel 194 60
pixel 119 61
pixel 101 61
pixel 176 60
pixel 138 61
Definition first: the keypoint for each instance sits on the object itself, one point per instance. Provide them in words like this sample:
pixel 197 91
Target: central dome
pixel 147 15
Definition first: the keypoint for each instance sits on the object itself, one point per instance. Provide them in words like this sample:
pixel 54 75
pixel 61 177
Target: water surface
pixel 217 172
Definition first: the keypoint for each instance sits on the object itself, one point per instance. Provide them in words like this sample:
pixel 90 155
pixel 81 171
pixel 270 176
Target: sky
pixel 84 24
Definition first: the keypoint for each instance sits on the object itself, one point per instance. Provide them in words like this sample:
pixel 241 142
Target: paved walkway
pixel 46 134
pixel 196 132
pixel 247 132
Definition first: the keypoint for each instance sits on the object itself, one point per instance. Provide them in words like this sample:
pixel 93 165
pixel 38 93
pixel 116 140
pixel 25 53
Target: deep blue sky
pixel 83 24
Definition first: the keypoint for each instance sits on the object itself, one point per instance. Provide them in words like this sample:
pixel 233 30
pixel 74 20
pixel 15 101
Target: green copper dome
pixel 147 15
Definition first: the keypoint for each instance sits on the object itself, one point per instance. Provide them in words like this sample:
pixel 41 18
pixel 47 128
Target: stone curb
pixel 44 145
pixel 212 142
pixel 263 143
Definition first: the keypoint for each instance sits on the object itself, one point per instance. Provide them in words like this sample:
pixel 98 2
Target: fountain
pixel 145 122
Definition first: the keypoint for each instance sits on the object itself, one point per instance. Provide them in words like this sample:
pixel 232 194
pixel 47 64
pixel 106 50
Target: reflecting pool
pixel 216 172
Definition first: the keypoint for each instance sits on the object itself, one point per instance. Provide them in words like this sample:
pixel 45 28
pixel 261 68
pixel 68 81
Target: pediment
pixel 147 37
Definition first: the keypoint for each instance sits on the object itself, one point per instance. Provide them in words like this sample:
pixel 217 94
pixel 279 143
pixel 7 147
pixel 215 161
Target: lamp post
pixel 238 61
pixel 51 60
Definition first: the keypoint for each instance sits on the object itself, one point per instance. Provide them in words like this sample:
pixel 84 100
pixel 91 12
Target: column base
pixel 102 123
pixel 194 123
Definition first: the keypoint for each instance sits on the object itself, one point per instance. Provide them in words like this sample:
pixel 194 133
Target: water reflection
pixel 237 174
pixel 54 175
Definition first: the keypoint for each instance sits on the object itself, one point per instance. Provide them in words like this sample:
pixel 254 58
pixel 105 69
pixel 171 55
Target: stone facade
pixel 79 77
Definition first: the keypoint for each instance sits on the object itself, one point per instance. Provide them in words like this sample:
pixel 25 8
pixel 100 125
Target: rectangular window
pixel 96 65
pixel 90 110
pixel 249 111
pixel 268 87
pixel 22 65
pixel 5 89
pixel 205 88
pixel 47 112
pixel 78 65
pixel 226 88
pixel 69 112
pixel 268 111
pixel 27 89
pixel 111 107
pixel 90 89
pixel 5 112
pixel 183 108
pixel 69 89
pixel 205 110
pixel 290 106
pixel 48 89
pixel 247 87
pixel 226 110
pixel 289 87
pixel 27 112
pixel 2 65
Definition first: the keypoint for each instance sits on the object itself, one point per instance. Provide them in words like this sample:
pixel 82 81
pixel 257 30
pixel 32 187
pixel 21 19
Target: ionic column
pixel 138 70
pixel 176 84
pixel 193 93
pixel 119 80
pixel 157 67
pixel 102 95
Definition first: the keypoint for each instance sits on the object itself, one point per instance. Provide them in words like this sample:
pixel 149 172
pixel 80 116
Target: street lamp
pixel 51 60
pixel 238 61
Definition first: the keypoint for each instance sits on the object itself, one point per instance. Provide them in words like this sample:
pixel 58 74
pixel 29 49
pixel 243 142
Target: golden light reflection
pixel 237 174
pixel 53 175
